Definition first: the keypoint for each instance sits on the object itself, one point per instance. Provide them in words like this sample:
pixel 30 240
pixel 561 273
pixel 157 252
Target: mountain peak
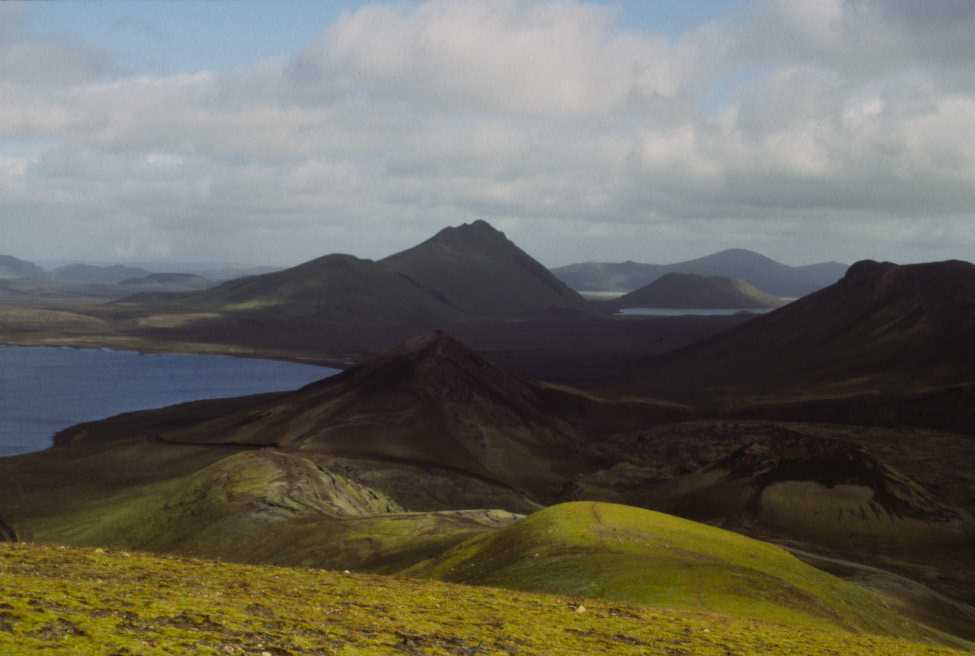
pixel 867 268
pixel 476 234
pixel 434 363
pixel 478 270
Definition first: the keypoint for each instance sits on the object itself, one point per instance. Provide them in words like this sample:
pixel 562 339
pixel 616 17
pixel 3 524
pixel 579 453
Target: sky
pixel 271 133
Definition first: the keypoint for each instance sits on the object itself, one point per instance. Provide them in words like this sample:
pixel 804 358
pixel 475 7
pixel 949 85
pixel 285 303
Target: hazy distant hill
pixel 688 290
pixel 176 282
pixel 762 272
pixel 12 267
pixel 882 326
pixel 475 268
pixel 99 274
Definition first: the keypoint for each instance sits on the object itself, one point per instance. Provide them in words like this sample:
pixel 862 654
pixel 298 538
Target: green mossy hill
pixel 633 555
pixel 89 602
pixel 256 505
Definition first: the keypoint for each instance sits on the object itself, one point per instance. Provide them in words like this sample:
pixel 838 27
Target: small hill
pixel 88 601
pixel 88 273
pixel 176 282
pixel 828 492
pixel 762 272
pixel 688 290
pixel 882 328
pixel 478 270
pixel 628 554
pixel 14 268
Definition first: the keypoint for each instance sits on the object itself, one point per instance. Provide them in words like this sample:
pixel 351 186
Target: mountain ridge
pixel 766 274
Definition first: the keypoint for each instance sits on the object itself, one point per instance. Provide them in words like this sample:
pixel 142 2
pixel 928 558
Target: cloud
pixel 849 136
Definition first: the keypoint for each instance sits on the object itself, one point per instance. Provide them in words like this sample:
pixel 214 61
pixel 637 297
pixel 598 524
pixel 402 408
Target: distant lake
pixel 44 390
pixel 698 312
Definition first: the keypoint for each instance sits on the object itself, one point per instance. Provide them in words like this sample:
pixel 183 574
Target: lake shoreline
pixel 187 348
pixel 48 388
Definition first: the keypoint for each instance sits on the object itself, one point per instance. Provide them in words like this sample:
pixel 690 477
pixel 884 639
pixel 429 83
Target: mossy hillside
pixel 89 602
pixel 245 506
pixel 629 554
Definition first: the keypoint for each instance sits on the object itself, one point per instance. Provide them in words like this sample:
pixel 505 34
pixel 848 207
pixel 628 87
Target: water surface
pixel 44 390
pixel 697 312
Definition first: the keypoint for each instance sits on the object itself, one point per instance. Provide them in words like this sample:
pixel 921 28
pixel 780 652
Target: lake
pixel 44 390
pixel 678 312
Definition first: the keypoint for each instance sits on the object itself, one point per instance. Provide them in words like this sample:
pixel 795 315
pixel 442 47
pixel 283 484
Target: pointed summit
pixel 478 270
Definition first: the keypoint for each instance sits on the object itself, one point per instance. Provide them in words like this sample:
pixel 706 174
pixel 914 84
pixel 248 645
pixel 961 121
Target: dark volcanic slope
pixel 340 288
pixel 688 290
pixel 475 268
pixel 12 267
pixel 827 491
pixel 882 327
pixel 430 403
pixel 763 272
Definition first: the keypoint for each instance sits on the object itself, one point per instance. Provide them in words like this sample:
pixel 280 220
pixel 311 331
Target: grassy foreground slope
pixel 629 554
pixel 90 602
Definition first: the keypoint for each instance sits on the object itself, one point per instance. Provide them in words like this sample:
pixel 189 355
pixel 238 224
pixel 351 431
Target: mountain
pixel 11 267
pixel 764 273
pixel 340 308
pixel 688 290
pixel 495 439
pixel 883 328
pixel 479 271
pixel 339 288
pixel 89 273
pixel 470 270
pixel 175 282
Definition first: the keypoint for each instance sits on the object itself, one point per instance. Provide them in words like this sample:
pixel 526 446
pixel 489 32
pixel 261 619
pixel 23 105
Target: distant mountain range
pixel 764 273
pixel 471 270
pixel 174 282
pixel 688 290
pixel 14 268
pixel 89 273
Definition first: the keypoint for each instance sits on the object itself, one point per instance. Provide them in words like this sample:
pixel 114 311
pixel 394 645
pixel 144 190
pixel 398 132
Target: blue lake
pixel 679 312
pixel 44 390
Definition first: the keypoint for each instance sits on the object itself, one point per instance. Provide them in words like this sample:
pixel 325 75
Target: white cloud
pixel 852 132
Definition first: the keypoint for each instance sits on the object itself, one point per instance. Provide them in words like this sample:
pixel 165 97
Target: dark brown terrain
pixel 887 345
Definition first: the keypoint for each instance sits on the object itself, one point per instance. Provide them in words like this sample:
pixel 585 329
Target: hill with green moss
pixel 622 553
pixel 98 602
